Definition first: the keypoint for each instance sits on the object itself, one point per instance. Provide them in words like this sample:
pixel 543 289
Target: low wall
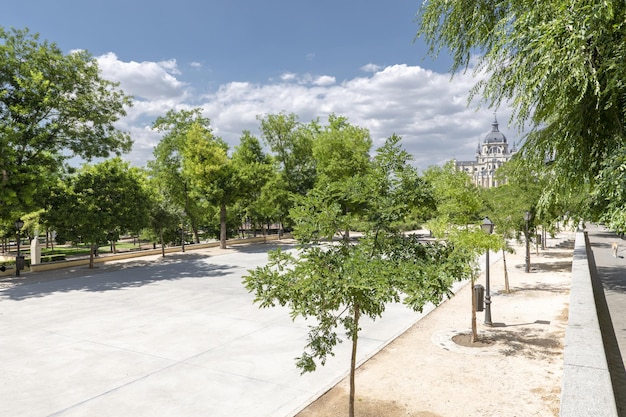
pixel 586 388
pixel 47 266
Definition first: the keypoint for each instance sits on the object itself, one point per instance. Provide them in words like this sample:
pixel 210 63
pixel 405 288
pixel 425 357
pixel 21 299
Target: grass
pixel 81 249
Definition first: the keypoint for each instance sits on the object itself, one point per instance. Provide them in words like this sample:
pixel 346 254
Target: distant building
pixel 491 154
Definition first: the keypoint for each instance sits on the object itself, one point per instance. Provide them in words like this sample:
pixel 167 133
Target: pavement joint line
pixel 117 388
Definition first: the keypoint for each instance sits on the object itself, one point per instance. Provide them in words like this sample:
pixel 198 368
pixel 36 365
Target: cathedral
pixel 491 154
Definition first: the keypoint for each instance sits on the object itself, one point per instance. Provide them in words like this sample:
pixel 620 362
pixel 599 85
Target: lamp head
pixel 487 226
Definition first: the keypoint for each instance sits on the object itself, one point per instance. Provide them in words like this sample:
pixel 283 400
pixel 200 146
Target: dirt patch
pixel 465 339
pixel 435 370
pixel 335 404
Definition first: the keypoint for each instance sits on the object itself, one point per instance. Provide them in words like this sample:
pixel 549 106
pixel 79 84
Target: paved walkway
pixel 179 336
pixel 612 276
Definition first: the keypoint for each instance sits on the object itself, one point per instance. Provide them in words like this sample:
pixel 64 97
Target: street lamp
pixel 182 236
pixel 19 223
pixel 527 217
pixel 487 227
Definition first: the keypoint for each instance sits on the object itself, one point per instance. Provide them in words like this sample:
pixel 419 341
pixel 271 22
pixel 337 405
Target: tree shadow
pixel 525 341
pixel 264 246
pixel 136 273
pixel 565 266
pixel 613 278
pixel 543 287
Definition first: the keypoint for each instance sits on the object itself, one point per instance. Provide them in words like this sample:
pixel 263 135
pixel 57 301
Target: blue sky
pixel 241 58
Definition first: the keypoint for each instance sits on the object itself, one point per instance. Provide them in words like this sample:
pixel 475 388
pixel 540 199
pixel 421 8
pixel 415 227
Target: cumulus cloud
pixel 144 80
pixel 371 67
pixel 324 80
pixel 428 109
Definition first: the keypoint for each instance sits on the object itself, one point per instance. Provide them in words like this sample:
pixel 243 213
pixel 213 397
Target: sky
pixel 239 59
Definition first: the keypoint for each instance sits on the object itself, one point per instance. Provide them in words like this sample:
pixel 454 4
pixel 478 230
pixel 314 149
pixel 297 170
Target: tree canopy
pixel 559 62
pixel 99 203
pixel 53 106
pixel 340 282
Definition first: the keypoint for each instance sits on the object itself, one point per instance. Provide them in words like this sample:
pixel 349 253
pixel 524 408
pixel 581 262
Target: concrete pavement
pixel 178 336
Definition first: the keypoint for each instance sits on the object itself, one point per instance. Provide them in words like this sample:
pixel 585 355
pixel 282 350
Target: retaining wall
pixel 586 388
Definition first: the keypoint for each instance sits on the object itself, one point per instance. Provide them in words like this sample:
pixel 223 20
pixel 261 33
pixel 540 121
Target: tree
pixel 212 174
pixel 341 152
pixel 559 62
pixel 255 170
pixel 610 194
pixel 340 282
pixel 167 167
pixel 457 200
pixel 459 205
pixel 99 203
pixel 163 223
pixel 292 145
pixel 53 106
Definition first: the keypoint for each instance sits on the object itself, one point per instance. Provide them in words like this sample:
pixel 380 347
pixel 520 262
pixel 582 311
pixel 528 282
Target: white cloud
pixel 424 107
pixel 324 80
pixel 371 67
pixel 146 80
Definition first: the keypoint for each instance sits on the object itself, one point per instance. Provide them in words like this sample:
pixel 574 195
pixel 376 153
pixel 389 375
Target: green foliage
pixel 292 145
pixel 255 170
pixel 100 202
pixel 167 167
pixel 52 107
pixel 457 199
pixel 211 172
pixel 560 63
pixel 339 281
pixel 609 195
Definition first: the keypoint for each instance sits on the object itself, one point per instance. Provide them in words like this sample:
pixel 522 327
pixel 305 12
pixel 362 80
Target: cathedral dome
pixel 495 136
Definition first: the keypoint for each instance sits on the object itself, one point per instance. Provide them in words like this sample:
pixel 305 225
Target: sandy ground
pixel 433 370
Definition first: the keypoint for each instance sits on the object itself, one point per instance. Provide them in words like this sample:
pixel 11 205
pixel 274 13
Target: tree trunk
pixel 223 226
pixel 91 255
pixel 355 339
pixel 162 243
pixel 474 301
pixel 506 273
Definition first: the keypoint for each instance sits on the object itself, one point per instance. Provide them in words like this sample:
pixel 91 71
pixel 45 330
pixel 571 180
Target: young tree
pixel 53 106
pixel 99 203
pixel 163 223
pixel 459 205
pixel 340 282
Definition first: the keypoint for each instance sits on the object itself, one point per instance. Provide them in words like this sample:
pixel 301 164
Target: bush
pixel 53 258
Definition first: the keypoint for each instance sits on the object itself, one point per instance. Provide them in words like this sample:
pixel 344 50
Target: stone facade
pixel 491 154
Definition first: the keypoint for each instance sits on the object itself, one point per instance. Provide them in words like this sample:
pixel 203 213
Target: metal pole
pixel 527 248
pixel 182 236
pixel 487 293
pixel 17 258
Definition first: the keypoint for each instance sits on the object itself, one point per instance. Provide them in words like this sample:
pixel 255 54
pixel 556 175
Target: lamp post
pixel 182 236
pixel 527 217
pixel 19 223
pixel 487 227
